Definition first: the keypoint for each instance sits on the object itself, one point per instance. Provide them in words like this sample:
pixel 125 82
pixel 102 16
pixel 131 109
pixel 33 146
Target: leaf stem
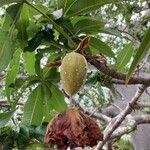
pixel 56 26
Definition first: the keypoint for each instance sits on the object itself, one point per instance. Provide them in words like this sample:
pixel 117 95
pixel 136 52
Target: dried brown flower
pixel 72 128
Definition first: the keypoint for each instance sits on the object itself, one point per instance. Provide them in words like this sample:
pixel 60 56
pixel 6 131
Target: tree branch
pixel 117 75
pixel 113 125
pixel 131 125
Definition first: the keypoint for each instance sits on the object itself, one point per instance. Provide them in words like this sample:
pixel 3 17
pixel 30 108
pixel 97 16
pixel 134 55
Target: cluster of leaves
pixel 35 33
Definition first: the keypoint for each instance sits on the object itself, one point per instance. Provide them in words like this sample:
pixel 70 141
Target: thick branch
pixel 131 126
pixel 117 75
pixel 141 119
pixel 118 119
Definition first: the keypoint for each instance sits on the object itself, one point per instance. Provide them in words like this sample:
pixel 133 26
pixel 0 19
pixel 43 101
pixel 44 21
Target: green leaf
pixel 5 117
pixel 38 69
pixel 97 46
pixel 88 26
pixel 66 24
pixel 43 99
pixel 13 71
pixel 57 98
pixel 11 17
pixel 6 2
pixel 48 106
pixel 22 24
pixel 23 137
pixel 141 52
pixel 111 32
pixel 33 109
pixel 124 57
pixel 101 98
pixel 66 5
pixel 29 62
pixel 8 39
pixel 77 7
pixel 6 49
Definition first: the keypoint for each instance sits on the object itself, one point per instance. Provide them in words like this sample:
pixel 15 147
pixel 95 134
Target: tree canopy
pixel 112 35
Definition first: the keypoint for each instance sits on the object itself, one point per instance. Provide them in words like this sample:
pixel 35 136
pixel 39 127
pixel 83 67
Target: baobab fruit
pixel 73 72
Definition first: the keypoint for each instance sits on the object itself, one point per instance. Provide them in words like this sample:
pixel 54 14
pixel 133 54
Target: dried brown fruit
pixel 72 128
pixel 73 72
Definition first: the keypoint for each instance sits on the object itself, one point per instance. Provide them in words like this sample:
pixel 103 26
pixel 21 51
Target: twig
pixel 131 125
pixel 118 119
pixel 94 111
pixel 117 75
pixel 127 128
pixel 4 103
pixel 141 119
pixel 142 104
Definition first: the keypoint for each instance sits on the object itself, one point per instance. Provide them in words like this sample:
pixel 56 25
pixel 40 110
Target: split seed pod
pixel 72 128
pixel 73 72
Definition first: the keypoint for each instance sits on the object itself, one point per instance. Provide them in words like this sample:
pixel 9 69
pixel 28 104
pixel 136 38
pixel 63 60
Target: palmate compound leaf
pixel 53 101
pixel 43 100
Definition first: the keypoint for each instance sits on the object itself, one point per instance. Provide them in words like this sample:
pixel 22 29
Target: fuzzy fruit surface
pixel 73 72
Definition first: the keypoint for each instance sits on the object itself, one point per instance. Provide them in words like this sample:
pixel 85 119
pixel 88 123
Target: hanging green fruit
pixel 73 72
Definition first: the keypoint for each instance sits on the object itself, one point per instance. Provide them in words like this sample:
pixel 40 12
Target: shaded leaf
pixel 22 24
pixel 66 24
pixel 6 2
pixel 98 46
pixel 11 16
pixel 76 7
pixel 34 42
pixel 57 98
pixel 13 71
pixel 141 52
pixel 23 137
pixel 38 69
pixel 5 117
pixel 38 38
